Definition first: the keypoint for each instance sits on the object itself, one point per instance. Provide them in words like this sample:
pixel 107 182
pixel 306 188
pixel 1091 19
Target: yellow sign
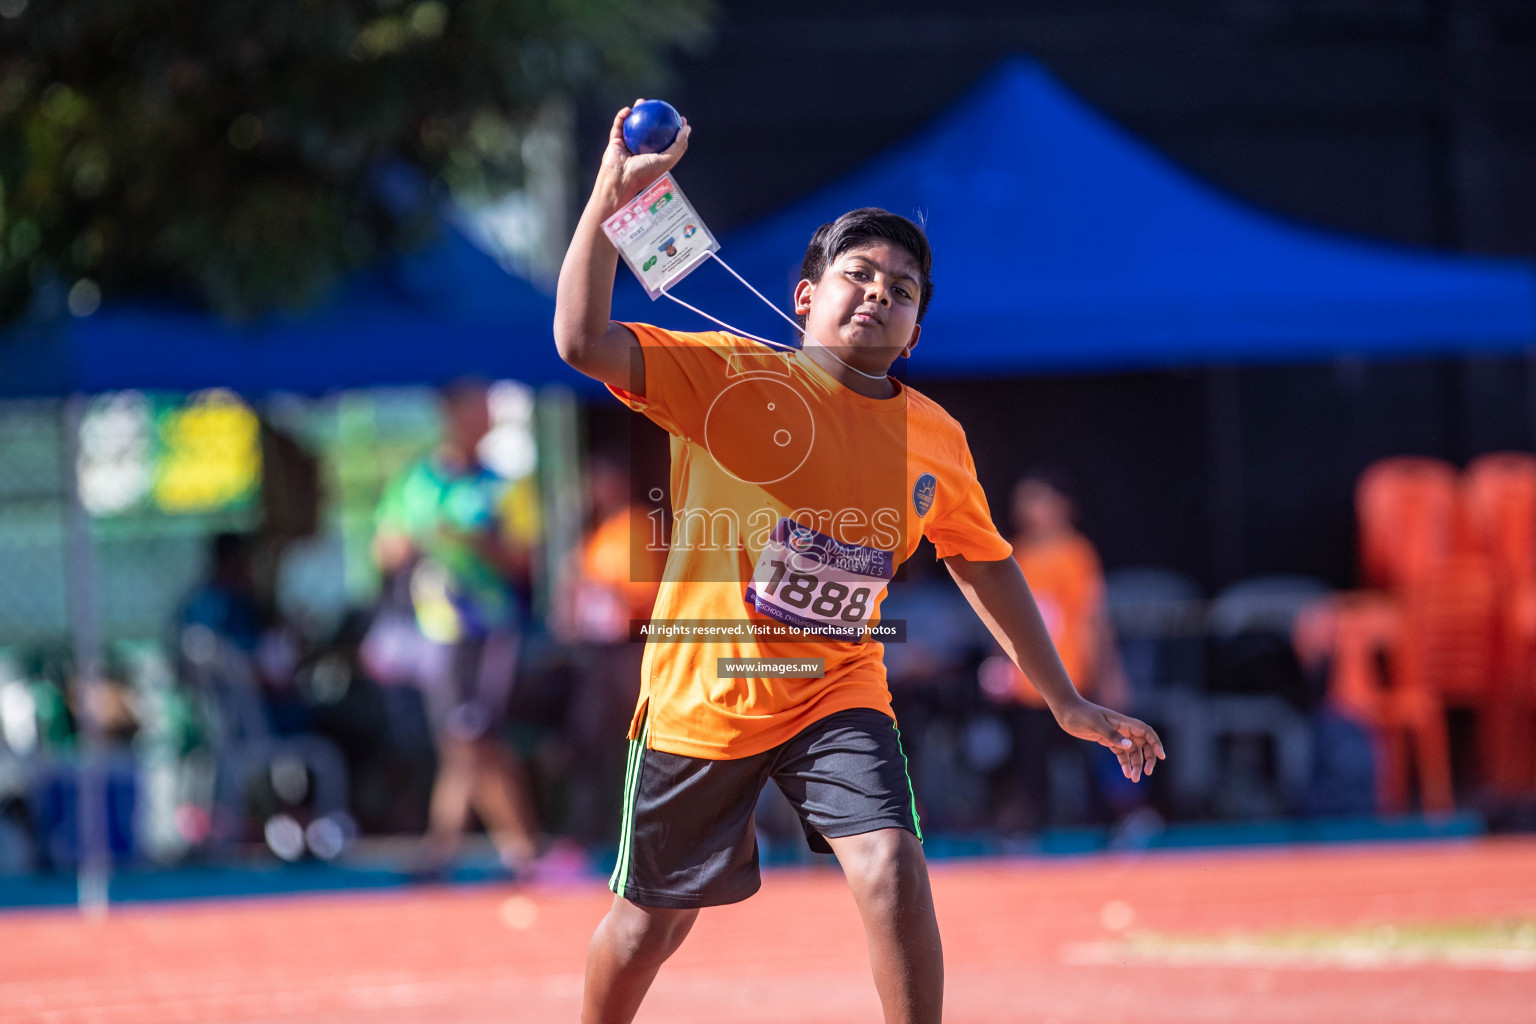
pixel 210 454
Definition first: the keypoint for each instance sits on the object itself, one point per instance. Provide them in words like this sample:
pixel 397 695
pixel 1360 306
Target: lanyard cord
pixel 775 344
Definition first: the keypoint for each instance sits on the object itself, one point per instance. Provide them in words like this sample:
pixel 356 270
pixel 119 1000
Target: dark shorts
pixel 468 684
pixel 688 838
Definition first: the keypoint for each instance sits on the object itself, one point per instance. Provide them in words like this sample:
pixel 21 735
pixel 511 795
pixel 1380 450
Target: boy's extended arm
pixel 584 335
pixel 1001 597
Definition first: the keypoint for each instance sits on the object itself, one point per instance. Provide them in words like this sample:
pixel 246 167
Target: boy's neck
pixel 850 378
pixel 1048 535
pixel 453 456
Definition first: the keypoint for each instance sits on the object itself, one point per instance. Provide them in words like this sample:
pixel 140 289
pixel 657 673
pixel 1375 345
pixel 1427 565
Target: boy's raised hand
pixel 1133 741
pixel 624 173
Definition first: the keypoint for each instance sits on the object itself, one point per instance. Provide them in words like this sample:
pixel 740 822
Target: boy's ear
pixel 803 292
pixel 917 329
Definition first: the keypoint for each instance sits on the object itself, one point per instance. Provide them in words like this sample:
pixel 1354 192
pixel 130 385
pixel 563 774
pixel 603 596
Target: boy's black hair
pixel 228 548
pixel 867 225
pixel 1054 477
pixel 460 388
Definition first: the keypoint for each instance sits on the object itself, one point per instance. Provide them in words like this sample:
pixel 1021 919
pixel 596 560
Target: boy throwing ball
pixel 800 481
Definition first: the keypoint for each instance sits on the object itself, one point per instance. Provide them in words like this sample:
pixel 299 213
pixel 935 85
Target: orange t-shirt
pixel 794 500
pixel 1068 583
pixel 618 577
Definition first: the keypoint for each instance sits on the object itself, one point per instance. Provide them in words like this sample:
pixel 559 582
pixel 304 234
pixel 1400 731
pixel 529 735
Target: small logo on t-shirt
pixel 923 492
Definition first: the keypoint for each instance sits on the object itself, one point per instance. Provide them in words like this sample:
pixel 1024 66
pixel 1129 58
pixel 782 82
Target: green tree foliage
pixel 229 150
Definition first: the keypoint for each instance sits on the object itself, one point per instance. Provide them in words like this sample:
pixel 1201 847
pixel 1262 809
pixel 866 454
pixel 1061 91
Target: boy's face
pixel 865 305
pixel 1039 508
pixel 467 417
pixel 607 487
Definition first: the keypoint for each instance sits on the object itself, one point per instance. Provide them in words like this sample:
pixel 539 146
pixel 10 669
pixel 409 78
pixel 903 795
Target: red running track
pixel 1015 934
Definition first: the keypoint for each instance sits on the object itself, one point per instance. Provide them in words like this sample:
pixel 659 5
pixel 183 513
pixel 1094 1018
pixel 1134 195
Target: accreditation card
pixel 660 236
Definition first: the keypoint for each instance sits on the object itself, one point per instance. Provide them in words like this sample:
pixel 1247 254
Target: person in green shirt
pixel 441 527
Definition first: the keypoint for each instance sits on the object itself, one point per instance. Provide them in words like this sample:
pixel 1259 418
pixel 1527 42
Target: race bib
pixel 818 583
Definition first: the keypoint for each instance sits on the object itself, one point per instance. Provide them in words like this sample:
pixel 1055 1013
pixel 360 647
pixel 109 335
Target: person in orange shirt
pixel 610 581
pixel 1067 581
pixel 800 480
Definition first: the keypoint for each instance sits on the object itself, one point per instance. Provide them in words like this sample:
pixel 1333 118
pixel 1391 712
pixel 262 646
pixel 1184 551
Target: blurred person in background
pixel 442 527
pixel 932 677
pixel 1067 579
pixel 227 604
pixel 610 580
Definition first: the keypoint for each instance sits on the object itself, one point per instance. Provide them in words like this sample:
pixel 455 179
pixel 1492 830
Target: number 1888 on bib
pixel 818 583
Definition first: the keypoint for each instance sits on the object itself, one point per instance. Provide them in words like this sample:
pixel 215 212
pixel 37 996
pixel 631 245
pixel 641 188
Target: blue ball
pixel 651 126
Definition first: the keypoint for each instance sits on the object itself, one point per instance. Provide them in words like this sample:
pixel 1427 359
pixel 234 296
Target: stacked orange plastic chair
pixel 1500 502
pixel 1362 632
pixel 1406 508
pixel 1407 513
pixel 1449 646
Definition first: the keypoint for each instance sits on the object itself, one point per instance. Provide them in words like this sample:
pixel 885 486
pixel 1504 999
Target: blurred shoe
pixel 564 862
pixel 1138 830
pixel 429 874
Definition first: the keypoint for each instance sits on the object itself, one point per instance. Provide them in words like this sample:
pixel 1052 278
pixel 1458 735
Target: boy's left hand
pixel 1133 741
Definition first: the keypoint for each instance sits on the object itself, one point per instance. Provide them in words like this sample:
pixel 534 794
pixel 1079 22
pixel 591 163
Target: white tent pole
pixel 95 863
pixel 558 436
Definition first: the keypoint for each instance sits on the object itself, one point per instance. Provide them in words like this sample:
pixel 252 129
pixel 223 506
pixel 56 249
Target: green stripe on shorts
pixel 627 827
pixel 907 771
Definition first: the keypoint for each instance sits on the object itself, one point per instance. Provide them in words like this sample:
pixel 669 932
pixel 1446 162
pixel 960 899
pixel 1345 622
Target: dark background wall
pixel 1230 472
pixel 1411 121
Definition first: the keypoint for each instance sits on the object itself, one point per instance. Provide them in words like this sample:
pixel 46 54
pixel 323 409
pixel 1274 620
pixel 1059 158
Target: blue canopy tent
pixel 447 311
pixel 1063 243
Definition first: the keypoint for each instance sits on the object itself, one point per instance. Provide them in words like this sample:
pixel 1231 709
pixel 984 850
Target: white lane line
pixel 1088 954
